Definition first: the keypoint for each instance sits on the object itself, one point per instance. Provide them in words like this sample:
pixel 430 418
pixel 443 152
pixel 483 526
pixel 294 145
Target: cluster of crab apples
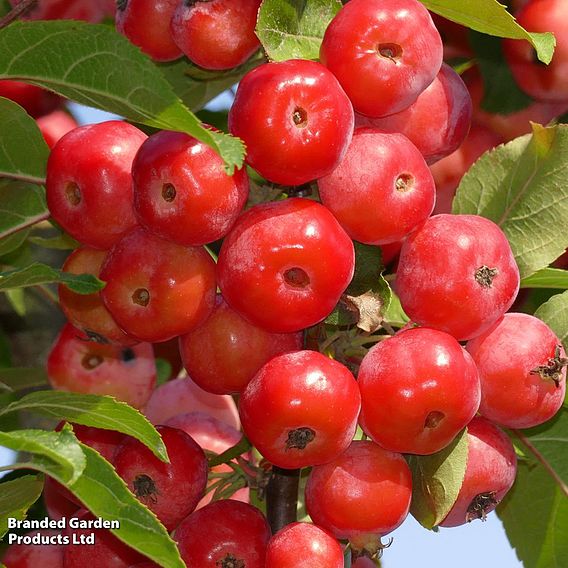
pixel 149 212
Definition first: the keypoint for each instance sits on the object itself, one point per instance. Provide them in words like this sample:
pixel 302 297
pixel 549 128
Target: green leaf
pixel 21 205
pixel 5 353
pixel 61 242
pixel 555 314
pixel 163 371
pixel 21 378
pixel 501 93
pixel 92 410
pixel 13 242
pixel 535 517
pixel 196 86
pixel 395 315
pixel 522 187
pixel 38 273
pixel 548 443
pixel 16 497
pixel 23 150
pixel 436 481
pixel 96 66
pixel 106 495
pixel 16 298
pixel 491 17
pixel 55 453
pixel 547 278
pixel 294 29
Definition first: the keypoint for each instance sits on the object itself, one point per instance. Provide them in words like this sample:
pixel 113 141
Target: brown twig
pixel 282 497
pixel 16 12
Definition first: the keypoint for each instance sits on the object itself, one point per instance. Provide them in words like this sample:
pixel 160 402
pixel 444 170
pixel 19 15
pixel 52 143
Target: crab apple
pixel 437 122
pixel 34 100
pixel 303 545
pixel 171 490
pixel 295 120
pixel 542 82
pixel 511 125
pixel 146 23
pixel 56 500
pixel 361 495
pixel 418 390
pixel 300 409
pixel 180 396
pixel 237 535
pixel 381 190
pixel 522 366
pixel 77 364
pixel 490 473
pixel 285 264
pixel 216 34
pixel 457 273
pixel 181 191
pixel 213 435
pixel 47 552
pixel 87 311
pixel 55 125
pixel 225 353
pixel 156 289
pixel 448 172
pixel 384 54
pixel 106 551
pixel 89 186
pixel 87 10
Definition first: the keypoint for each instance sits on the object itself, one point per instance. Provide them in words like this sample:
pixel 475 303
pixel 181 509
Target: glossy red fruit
pixel 55 125
pixel 146 23
pixel 362 494
pixel 381 190
pixel 35 100
pixel 87 10
pixel 213 435
pixel 181 190
pixel 157 289
pixel 462 294
pixel 449 171
pixel 89 186
pixel 45 549
pixel 490 473
pixel 300 409
pixel 171 490
pixel 303 545
pixel 216 34
pixel 542 82
pixel 522 366
pixel 182 395
pixel 437 122
pixel 284 265
pixel 384 54
pixel 78 364
pixel 87 311
pixel 237 535
pixel 418 390
pixel 225 353
pixel 295 120
pixel 106 551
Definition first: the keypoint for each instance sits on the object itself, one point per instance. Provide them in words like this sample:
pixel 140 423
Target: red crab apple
pixel 285 264
pixel 490 473
pixel 77 364
pixel 295 120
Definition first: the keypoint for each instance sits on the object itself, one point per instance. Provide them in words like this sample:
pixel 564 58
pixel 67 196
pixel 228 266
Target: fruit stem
pixel 282 497
pixel 16 12
pixel 235 451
